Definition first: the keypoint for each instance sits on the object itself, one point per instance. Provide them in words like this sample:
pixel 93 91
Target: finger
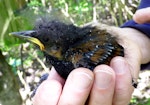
pixel 103 87
pixel 123 88
pixel 54 75
pixel 48 93
pixel 142 15
pixel 77 87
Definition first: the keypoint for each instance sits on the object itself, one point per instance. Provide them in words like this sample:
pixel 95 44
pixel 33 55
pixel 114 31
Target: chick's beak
pixel 27 35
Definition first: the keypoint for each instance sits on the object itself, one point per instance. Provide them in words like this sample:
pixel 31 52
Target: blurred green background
pixel 21 64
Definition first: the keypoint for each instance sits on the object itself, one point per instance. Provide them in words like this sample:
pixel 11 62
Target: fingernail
pixel 81 80
pixel 103 79
pixel 119 66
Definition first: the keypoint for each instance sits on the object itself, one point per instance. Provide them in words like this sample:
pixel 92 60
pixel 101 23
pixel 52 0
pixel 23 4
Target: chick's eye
pixel 45 39
pixel 55 47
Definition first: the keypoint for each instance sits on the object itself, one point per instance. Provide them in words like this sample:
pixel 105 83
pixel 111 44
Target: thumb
pixel 133 57
pixel 142 15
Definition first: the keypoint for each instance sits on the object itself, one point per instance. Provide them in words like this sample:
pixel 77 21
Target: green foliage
pixel 14 63
pixel 34 3
pixel 9 23
pixel 140 101
pixel 82 10
pixel 17 16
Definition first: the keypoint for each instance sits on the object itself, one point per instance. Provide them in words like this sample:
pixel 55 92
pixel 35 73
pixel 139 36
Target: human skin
pixel 108 84
pixel 142 15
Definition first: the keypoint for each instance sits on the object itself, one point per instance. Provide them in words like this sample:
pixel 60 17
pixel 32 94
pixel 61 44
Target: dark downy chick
pixel 67 47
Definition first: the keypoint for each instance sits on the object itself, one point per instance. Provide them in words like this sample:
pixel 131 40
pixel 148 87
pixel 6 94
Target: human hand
pixel 142 15
pixel 107 85
pixel 81 83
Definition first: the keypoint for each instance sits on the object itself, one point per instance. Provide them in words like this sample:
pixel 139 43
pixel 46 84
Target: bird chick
pixel 67 46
